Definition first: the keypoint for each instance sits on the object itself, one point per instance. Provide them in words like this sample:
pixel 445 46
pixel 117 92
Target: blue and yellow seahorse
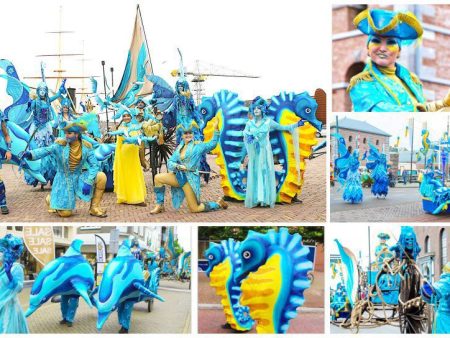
pixel 223 261
pixel 274 275
pixel 285 108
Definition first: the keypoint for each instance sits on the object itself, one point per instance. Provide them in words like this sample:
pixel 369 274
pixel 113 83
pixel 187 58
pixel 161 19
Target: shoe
pixel 159 208
pixel 98 212
pixel 47 201
pixel 69 324
pixel 62 322
pixel 123 330
pixel 143 204
pixel 95 209
pixel 222 203
pixel 226 326
pixel 5 210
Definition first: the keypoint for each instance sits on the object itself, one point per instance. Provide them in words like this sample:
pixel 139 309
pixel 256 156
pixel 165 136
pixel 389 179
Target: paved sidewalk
pixel 27 204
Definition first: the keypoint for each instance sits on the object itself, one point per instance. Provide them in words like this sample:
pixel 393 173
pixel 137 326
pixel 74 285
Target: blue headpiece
pixel 261 103
pixel 383 235
pixel 403 26
pixel 75 126
pixel 65 102
pixel 40 86
pixel 11 247
pixel 408 242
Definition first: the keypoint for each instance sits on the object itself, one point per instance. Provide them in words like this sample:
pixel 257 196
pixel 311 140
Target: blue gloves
pixel 301 123
pixel 86 190
pixel 131 140
pixel 62 88
pixel 250 139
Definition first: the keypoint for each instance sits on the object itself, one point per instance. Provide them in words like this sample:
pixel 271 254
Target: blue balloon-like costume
pixel 12 319
pixel 223 262
pixel 121 287
pixel 376 162
pixel 70 276
pixel 381 89
pixel 274 275
pixel 347 167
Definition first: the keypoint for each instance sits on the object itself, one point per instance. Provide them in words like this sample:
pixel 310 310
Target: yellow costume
pixel 129 184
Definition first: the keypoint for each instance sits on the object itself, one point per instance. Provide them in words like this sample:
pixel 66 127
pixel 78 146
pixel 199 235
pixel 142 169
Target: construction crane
pixel 203 70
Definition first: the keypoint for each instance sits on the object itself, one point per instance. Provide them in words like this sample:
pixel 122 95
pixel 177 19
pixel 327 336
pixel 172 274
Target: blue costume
pixel 381 89
pixel 347 167
pixel 377 163
pixel 440 297
pixel 407 246
pixel 121 287
pixel 261 182
pixel 5 138
pixel 41 128
pixel 71 158
pixel 61 118
pixel 12 319
pixel 76 280
pixel 184 177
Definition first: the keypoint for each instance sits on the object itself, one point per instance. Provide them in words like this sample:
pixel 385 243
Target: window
pixel 377 142
pixel 443 247
pixel 364 140
pixel 350 149
pixel 19 228
pixel 427 244
pixel 58 231
pixel 350 138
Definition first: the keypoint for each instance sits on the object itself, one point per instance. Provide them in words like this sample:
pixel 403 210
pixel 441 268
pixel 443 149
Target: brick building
pixel 430 60
pixel 434 242
pixel 353 130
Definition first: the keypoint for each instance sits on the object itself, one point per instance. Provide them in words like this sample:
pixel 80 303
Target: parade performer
pixel 4 134
pixel 347 168
pixel 406 246
pixel 69 276
pixel 183 177
pixel 12 318
pixel 129 184
pixel 382 246
pixel 261 182
pixel 440 297
pixel 65 115
pixel 377 163
pixel 72 155
pixel 41 128
pixel 385 85
pixel 121 287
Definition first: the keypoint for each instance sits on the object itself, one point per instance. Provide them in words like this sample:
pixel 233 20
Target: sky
pixel 269 39
pixel 395 123
pixel 184 237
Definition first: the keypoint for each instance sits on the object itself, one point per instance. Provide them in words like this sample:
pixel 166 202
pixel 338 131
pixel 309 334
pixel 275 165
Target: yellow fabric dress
pixel 129 184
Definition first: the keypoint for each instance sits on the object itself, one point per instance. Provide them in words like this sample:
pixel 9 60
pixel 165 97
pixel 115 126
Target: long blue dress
pixel 261 182
pixel 12 318
pixel 442 319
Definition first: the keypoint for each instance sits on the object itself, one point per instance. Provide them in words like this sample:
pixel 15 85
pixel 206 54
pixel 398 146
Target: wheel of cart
pixel 158 154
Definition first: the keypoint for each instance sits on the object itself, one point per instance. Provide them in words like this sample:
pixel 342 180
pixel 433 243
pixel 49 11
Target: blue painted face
pixel 253 254
pixel 42 90
pixel 410 240
pixel 215 255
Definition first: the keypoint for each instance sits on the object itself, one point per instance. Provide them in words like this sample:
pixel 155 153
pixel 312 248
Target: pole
pixel 412 147
pixel 106 102
pixel 370 255
pixel 112 88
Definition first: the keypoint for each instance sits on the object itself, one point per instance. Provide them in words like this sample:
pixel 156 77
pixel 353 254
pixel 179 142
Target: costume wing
pixel 343 161
pixel 374 157
pixel 14 102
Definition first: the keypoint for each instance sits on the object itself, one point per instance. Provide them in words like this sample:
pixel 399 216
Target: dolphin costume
pixel 121 287
pixel 70 276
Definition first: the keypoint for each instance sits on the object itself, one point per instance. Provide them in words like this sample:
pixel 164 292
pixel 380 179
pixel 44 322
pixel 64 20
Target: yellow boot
pixel 100 184
pixel 47 201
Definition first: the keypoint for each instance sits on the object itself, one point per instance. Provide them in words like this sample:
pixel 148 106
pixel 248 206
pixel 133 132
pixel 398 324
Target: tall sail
pixel 138 65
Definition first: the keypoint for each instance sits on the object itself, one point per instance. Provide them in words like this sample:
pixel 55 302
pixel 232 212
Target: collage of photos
pixel 183 168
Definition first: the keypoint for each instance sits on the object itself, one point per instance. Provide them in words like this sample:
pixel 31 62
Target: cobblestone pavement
pixel 27 204
pixel 171 316
pixel 305 322
pixel 401 205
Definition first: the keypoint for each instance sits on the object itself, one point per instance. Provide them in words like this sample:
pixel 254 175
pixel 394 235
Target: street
pixel 171 316
pixel 27 204
pixel 402 204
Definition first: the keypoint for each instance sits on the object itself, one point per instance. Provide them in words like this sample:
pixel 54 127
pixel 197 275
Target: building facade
pixel 430 60
pixel 434 241
pixel 358 135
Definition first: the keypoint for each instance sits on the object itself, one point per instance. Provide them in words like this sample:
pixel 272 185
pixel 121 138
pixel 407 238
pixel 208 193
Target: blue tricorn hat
pixel 75 126
pixel 401 25
pixel 383 235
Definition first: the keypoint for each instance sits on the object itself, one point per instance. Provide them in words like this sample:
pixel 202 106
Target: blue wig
pixel 11 247
pixel 259 102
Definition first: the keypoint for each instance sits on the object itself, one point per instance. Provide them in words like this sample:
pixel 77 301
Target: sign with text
pixel 40 243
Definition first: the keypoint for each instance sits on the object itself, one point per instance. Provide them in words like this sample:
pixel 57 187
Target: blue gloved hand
pixel 250 139
pixel 8 266
pixel 86 190
pixel 301 123
pixel 27 155
pixel 62 88
pixel 131 140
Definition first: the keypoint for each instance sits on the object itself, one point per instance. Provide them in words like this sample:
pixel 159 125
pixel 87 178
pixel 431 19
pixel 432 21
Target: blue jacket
pixel 372 91
pixel 67 184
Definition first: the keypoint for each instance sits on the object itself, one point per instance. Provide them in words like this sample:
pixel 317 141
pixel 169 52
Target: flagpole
pixel 106 100
pixel 145 37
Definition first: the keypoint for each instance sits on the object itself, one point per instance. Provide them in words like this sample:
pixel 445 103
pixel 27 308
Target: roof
pixel 356 125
